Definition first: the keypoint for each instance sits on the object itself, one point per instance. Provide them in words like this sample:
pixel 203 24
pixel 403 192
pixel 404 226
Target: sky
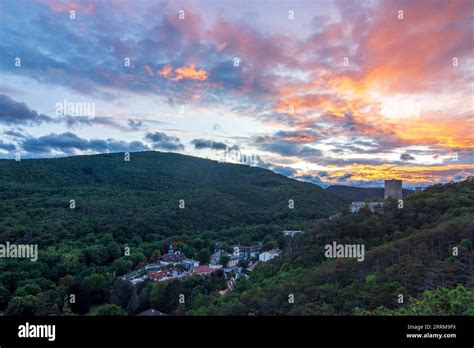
pixel 330 92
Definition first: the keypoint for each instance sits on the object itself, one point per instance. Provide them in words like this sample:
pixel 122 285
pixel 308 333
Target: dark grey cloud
pixel 6 146
pixel 406 157
pixel 344 177
pixel 16 113
pixel 110 122
pixel 283 170
pixel 200 144
pixel 163 141
pixel 290 143
pixel 70 144
pixel 287 171
pixel 314 179
pixel 288 148
pixel 16 134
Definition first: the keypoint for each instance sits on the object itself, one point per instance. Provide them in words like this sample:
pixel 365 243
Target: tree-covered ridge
pixel 133 204
pixel 142 196
pixel 408 251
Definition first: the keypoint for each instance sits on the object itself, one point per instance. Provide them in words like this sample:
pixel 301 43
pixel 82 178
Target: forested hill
pixel 135 205
pixel 408 252
pixel 142 196
pixel 361 193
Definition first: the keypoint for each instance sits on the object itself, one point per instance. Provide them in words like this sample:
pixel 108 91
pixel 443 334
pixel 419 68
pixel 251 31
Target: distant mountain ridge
pixel 144 193
pixel 361 193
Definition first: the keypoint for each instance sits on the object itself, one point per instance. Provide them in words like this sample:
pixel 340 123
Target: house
pixel 268 255
pixel 236 249
pixel 216 258
pixel 231 271
pixel 252 251
pixel 189 263
pixel 234 260
pixel 202 270
pixel 247 252
pixel 291 233
pixel 173 258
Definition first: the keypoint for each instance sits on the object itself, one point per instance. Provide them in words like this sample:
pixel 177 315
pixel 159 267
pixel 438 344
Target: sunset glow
pixel 345 92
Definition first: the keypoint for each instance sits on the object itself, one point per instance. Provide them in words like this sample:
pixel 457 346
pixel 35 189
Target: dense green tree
pixel 4 296
pixel 203 256
pixel 22 306
pixel 224 259
pixel 97 287
pixel 121 292
pixel 81 302
pixel 110 310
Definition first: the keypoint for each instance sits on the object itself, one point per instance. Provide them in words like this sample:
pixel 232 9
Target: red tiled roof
pixel 156 275
pixel 202 270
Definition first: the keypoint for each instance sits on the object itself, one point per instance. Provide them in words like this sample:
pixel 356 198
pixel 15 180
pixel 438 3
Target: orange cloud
pixel 166 71
pixel 409 174
pixel 190 73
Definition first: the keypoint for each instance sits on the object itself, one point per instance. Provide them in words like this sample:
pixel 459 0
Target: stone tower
pixel 393 189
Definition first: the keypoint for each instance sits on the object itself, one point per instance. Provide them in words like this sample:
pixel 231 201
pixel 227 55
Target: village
pixel 235 261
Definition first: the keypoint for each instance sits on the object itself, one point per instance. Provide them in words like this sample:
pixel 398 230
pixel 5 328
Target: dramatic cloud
pixel 347 91
pixel 16 113
pixel 200 144
pixel 406 157
pixel 70 144
pixel 190 73
pixel 290 143
pixel 6 146
pixel 344 177
pixel 164 142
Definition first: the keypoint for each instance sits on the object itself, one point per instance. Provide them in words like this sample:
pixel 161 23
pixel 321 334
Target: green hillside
pixel 409 251
pixel 142 196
